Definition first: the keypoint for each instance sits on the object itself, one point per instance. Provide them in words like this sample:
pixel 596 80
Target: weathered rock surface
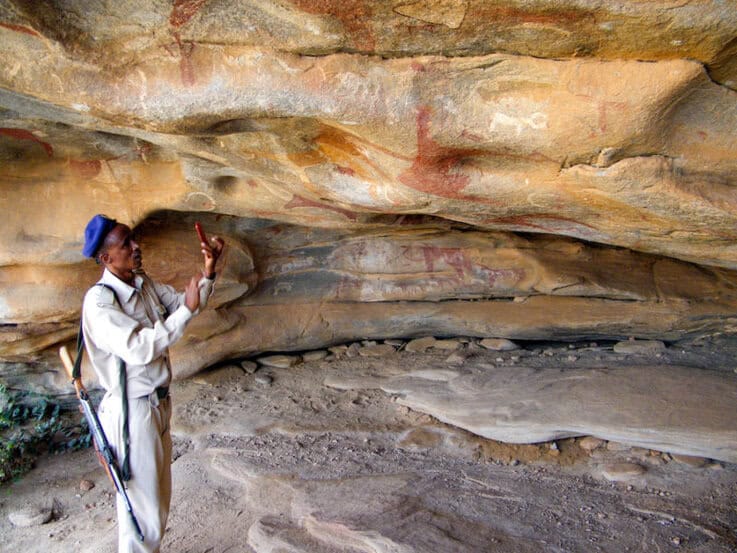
pixel 389 170
pixel 440 171
pixel 294 289
pixel 32 515
pixel 417 135
pixel 655 407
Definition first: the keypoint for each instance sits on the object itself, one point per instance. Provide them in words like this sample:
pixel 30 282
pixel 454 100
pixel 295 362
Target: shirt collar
pixel 123 290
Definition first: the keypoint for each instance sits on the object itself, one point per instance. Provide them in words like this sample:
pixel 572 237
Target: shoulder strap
pixel 77 371
pixel 150 289
pixel 123 382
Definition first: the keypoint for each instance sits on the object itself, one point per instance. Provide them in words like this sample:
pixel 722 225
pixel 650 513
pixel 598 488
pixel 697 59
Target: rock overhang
pixel 408 141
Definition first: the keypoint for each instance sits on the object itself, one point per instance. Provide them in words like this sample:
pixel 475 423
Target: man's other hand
pixel 192 294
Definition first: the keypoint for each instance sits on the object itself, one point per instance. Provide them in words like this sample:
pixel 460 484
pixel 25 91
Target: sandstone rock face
pixel 379 169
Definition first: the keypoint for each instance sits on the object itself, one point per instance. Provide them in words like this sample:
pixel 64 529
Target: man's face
pixel 121 253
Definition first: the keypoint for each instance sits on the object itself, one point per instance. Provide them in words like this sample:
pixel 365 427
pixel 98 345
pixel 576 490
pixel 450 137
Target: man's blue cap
pixel 95 233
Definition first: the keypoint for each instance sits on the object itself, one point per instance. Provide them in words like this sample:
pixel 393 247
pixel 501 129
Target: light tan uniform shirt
pixel 138 331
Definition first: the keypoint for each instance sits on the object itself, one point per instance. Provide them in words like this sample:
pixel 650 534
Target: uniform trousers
pixel 149 488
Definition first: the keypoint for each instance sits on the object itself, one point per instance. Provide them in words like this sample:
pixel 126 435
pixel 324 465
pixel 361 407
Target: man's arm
pixel 172 300
pixel 113 331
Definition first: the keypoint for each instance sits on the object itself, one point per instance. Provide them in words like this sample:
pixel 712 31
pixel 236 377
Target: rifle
pixel 102 448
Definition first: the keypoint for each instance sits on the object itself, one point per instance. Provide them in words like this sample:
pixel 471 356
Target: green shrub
pixel 32 424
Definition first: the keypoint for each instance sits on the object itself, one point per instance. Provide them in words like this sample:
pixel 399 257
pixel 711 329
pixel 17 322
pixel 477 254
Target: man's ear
pixel 103 258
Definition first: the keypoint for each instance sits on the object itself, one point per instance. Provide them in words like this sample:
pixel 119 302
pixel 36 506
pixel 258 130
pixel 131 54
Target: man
pixel 129 322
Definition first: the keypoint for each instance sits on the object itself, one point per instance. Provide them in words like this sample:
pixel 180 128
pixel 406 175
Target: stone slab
pixel 655 407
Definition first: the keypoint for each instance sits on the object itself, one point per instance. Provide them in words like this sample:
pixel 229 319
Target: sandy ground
pixel 293 465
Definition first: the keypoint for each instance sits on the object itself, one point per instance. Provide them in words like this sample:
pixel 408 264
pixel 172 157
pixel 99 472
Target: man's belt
pixel 162 392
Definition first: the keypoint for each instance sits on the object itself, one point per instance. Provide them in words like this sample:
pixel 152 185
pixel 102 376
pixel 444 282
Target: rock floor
pixel 277 460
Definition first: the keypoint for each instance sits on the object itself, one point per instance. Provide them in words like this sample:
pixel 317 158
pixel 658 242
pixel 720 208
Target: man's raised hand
pixel 211 250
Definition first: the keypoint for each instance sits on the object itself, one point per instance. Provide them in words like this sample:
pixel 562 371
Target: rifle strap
pixel 123 383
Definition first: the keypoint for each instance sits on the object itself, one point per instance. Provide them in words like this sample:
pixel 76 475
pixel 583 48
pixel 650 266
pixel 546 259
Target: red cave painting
pixel 22 134
pixel 300 201
pixel 433 170
pixel 453 257
pixel 603 107
pixel 182 12
pixel 186 67
pixel 458 260
pixel 22 29
pixel 86 169
pixel 345 170
pixel 516 16
pixel 354 15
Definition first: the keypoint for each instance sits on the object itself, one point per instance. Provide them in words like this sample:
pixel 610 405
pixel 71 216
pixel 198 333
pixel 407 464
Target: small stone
pixel 338 350
pixel 368 343
pixel 447 345
pixel 279 361
pixel 395 343
pixel 499 359
pixel 264 379
pixel 30 516
pixel 676 541
pixel 606 157
pixel 249 366
pixel 316 355
pixel 376 350
pixel 498 344
pixel 549 352
pixel 589 443
pixel 640 452
pixel 353 350
pixel 620 472
pixel 519 299
pixel 572 358
pixel 420 344
pixel 222 376
pixel 456 358
pixel 216 398
pixel 639 347
pixel 690 460
pixel 86 485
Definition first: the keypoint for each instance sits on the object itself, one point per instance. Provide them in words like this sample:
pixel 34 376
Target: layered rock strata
pixel 556 170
